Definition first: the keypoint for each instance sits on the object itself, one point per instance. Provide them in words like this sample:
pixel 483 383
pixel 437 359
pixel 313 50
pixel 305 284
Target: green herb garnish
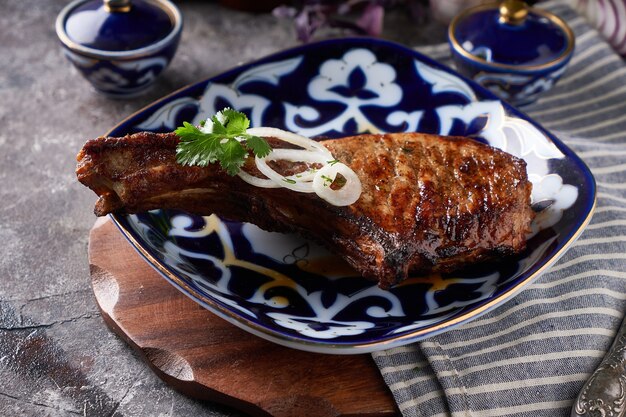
pixel 226 142
pixel 333 162
pixel 327 180
pixel 289 180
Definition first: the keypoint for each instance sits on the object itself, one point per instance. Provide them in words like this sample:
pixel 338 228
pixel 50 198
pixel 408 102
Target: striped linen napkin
pixel 531 356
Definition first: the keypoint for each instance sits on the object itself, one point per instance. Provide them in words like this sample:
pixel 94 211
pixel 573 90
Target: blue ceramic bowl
pixel 120 53
pixel 519 60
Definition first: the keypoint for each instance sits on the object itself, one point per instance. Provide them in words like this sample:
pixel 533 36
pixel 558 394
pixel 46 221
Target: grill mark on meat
pixel 460 224
pixel 429 203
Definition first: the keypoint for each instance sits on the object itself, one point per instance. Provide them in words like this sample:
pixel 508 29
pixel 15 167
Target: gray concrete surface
pixel 57 358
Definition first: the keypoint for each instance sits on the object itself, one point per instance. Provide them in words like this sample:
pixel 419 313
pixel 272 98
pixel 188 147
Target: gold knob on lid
pixel 117 6
pixel 513 11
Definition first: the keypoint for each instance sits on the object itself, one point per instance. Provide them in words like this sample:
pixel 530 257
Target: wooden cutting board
pixel 205 357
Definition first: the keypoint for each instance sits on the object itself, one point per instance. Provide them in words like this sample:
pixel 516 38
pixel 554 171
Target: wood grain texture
pixel 207 358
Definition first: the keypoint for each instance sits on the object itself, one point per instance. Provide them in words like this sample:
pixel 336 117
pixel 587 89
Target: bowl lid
pixel 511 35
pixel 117 25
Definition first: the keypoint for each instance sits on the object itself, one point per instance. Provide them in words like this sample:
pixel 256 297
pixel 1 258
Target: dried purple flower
pixel 311 15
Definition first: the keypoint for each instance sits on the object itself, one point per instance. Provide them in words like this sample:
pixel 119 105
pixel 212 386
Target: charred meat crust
pixel 429 203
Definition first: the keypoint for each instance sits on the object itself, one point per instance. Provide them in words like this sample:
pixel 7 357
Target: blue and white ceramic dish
pixel 514 51
pixel 293 292
pixel 119 46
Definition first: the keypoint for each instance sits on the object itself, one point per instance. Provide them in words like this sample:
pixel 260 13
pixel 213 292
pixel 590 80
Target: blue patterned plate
pixel 295 293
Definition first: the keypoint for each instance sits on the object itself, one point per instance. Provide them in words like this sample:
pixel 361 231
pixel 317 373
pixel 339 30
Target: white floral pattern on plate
pixel 280 286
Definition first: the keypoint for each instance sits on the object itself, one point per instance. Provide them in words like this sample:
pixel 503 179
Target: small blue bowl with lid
pixel 120 46
pixel 516 51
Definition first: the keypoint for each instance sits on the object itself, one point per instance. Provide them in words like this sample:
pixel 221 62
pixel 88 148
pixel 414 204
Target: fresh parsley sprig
pixel 223 139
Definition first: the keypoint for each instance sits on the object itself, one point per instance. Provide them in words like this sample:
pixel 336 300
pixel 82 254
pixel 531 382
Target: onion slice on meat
pixel 256 181
pixel 344 196
pixel 311 180
pixel 289 137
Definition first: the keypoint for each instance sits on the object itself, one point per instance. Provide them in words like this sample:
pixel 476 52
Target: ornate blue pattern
pixel 519 89
pixel 120 78
pixel 296 293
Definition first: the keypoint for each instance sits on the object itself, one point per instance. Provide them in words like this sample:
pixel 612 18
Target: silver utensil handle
pixel 604 394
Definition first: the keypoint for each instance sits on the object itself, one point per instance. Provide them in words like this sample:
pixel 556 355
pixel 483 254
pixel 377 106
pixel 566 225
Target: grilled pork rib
pixel 429 203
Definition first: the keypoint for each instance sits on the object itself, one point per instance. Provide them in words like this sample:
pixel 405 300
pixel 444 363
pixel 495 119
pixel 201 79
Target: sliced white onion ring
pixel 299 155
pixel 289 137
pixel 287 182
pixel 344 196
pixel 256 181
pixel 310 180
